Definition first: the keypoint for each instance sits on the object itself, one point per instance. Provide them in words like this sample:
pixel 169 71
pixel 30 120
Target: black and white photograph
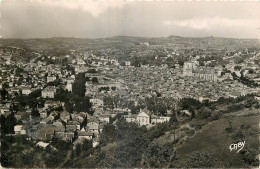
pixel 130 83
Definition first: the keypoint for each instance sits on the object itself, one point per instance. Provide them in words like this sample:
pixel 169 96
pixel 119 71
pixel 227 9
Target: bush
pixel 204 114
pixel 201 160
pixel 249 157
pixel 197 124
pixel 239 136
pixel 215 116
pixel 158 155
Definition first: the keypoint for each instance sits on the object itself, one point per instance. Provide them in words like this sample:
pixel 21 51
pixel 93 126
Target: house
pixel 96 102
pixel 19 115
pixel 58 123
pixel 73 126
pixel 4 110
pixel 26 91
pixel 85 135
pixel 43 114
pixel 42 144
pixel 79 117
pixel 50 103
pixel 49 92
pixel 127 63
pixel 51 78
pixel 143 118
pixel 204 98
pixel 130 118
pixel 104 118
pixel 46 133
pixel 65 116
pixel 69 136
pixel 235 94
pixel 47 120
pixel 17 129
pixel 93 127
pixel 59 132
pixel 155 119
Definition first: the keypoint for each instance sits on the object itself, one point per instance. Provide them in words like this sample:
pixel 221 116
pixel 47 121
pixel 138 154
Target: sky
pixel 99 19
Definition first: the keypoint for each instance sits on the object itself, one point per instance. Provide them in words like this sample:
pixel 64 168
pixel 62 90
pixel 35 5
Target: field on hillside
pixel 214 139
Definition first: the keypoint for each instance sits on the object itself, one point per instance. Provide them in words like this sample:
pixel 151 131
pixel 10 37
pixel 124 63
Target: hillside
pixel 196 142
pixel 215 140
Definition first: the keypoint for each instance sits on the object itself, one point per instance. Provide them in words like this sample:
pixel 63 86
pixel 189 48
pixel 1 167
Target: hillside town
pixel 91 96
pixel 114 87
pixel 129 84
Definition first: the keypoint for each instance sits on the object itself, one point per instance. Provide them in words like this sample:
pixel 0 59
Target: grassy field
pixel 214 139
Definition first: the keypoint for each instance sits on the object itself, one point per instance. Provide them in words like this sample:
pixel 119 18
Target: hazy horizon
pixel 105 19
pixel 133 37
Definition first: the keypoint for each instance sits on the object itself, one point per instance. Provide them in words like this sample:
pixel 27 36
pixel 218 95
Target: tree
pixel 108 134
pixel 78 87
pixel 201 160
pixel 132 141
pixel 61 145
pixel 68 106
pixel 238 68
pixel 62 95
pixel 55 158
pixel 173 121
pixel 249 157
pixel 94 80
pixel 158 155
pixel 86 145
pixel 7 124
pixel 35 113
pixel 82 105
pixel 4 94
pixel 250 71
pixel 18 72
pixel 186 103
pixel 78 149
pixel 204 114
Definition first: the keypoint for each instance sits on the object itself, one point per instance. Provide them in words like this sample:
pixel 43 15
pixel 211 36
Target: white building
pixel 69 87
pixel 51 78
pixel 49 92
pixel 96 102
pixel 188 67
pixel 17 129
pixel 127 63
pixel 143 118
pixel 26 91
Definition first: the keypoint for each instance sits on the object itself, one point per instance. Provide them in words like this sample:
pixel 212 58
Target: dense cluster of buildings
pixel 107 77
pixel 192 68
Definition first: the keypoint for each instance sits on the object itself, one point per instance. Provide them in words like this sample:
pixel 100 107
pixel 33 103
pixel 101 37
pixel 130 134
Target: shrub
pixel 204 114
pixel 201 160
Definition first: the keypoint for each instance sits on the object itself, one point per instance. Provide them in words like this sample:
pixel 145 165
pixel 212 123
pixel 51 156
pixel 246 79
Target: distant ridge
pixel 128 37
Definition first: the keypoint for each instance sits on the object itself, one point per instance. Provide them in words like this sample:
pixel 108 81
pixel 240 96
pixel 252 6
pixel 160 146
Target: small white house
pixel 17 129
pixel 26 91
pixel 127 63
pixel 143 118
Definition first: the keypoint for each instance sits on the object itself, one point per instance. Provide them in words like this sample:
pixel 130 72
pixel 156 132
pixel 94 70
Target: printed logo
pixel 239 146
